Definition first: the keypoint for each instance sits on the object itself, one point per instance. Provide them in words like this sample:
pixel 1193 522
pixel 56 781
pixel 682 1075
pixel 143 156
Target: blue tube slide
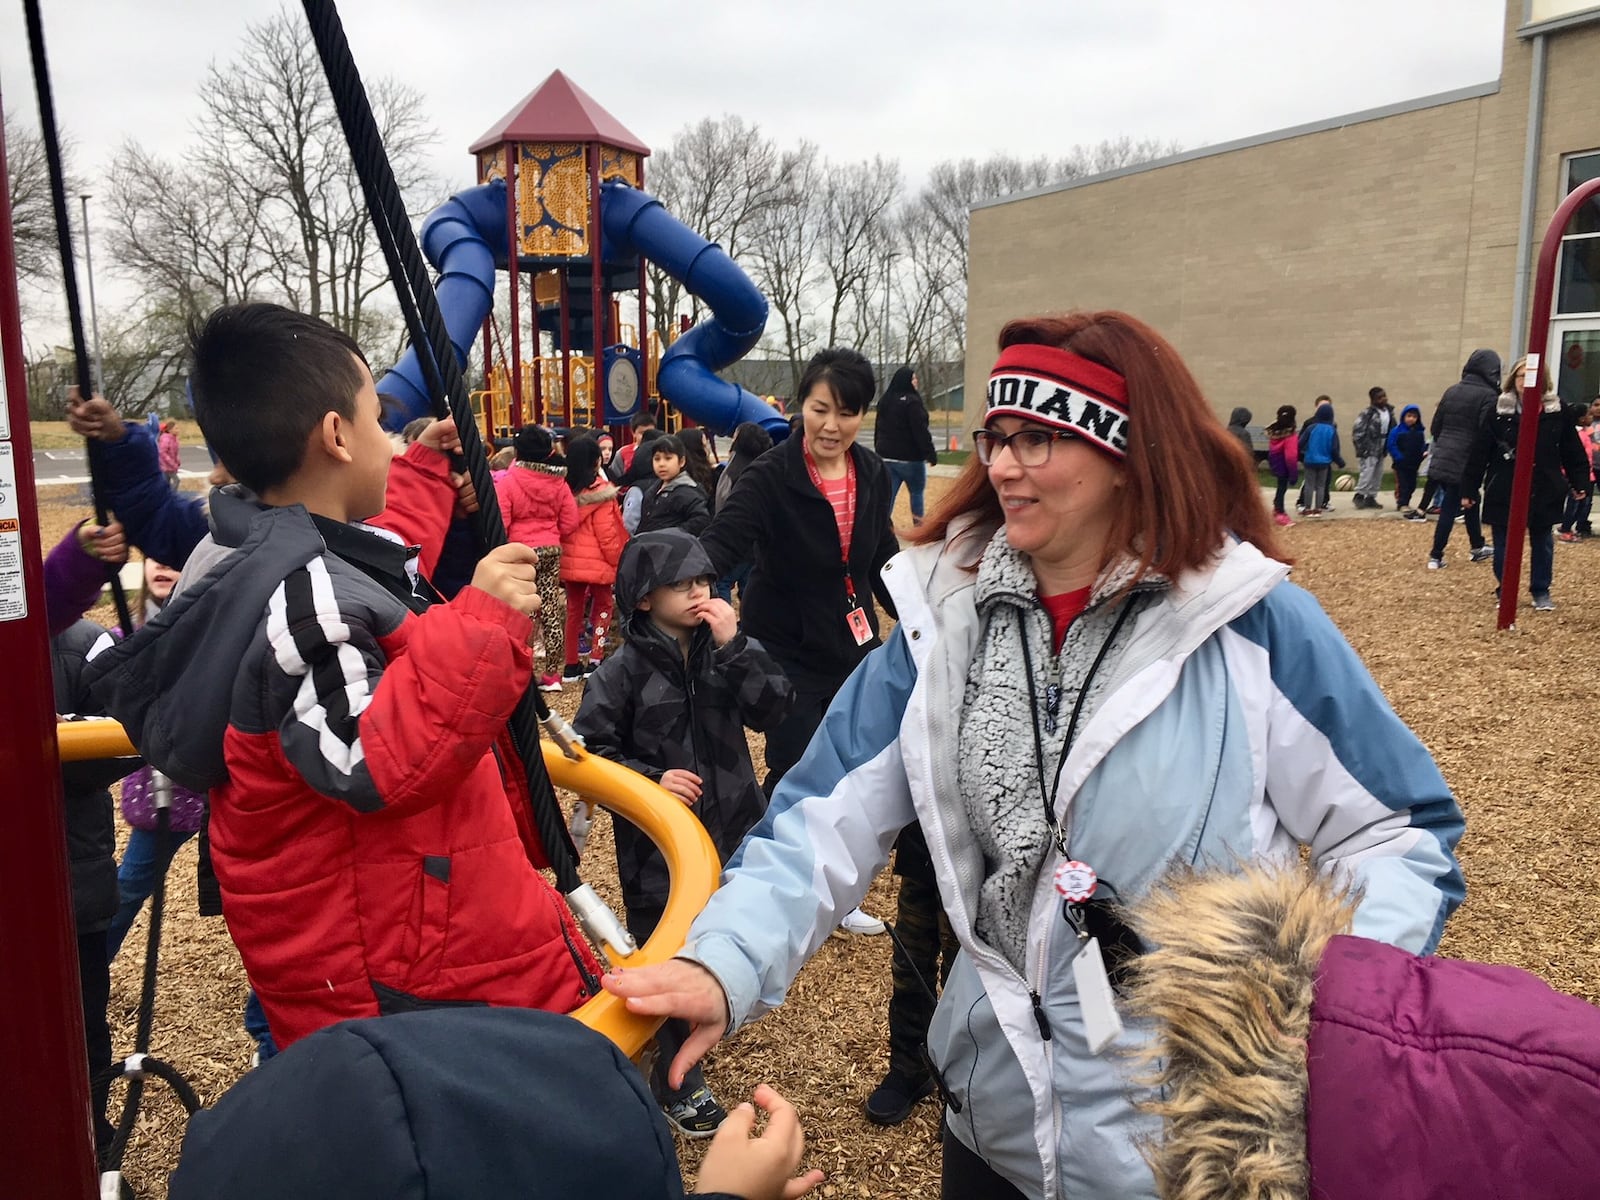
pixel 635 222
pixel 465 237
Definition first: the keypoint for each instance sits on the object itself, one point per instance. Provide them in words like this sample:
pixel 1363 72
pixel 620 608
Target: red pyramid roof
pixel 558 110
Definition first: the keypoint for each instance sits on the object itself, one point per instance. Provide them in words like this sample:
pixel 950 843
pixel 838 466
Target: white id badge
pixel 860 627
pixel 1101 1024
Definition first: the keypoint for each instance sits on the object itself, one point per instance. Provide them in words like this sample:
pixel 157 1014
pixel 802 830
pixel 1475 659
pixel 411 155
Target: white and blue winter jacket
pixel 1238 722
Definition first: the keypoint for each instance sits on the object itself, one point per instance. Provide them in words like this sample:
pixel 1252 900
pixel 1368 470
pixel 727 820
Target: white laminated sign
pixel 13 588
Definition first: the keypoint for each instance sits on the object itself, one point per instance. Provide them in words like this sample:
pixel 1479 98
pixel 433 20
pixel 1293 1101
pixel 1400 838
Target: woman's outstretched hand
pixel 678 988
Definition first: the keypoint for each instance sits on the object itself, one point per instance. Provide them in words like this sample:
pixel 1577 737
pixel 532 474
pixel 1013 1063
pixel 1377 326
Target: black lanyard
pixel 1047 791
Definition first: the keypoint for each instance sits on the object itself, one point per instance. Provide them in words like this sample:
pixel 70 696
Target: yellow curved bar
pixel 692 861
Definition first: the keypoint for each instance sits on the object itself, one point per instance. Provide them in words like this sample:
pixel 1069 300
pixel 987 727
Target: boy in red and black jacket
pixel 368 824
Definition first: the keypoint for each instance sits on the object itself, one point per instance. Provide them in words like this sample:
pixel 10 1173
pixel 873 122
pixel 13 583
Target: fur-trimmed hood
pixel 1292 1060
pixel 1230 985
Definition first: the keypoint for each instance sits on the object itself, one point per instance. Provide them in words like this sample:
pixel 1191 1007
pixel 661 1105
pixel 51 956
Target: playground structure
pixel 560 207
pixel 50 1133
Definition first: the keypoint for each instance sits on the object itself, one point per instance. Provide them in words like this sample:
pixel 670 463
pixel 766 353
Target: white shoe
pixel 1436 564
pixel 857 922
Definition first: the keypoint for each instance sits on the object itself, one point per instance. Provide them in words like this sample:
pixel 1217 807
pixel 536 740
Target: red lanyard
pixel 849 510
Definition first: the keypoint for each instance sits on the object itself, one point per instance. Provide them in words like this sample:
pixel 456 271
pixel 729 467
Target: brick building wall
pixel 1379 251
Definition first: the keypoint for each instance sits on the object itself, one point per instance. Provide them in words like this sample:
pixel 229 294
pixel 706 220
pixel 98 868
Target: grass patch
pixel 57 435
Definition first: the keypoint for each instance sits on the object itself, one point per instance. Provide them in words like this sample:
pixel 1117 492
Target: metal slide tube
pixel 456 238
pixel 636 221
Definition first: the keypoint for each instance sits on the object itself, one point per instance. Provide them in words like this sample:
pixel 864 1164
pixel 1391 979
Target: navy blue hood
pixel 447 1104
pixel 1324 414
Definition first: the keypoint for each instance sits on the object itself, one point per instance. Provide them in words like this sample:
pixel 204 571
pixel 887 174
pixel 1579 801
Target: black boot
pixel 895 1097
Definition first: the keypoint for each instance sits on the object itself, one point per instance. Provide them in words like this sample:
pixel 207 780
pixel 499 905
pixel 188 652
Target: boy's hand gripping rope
pixel 425 324
pixel 69 276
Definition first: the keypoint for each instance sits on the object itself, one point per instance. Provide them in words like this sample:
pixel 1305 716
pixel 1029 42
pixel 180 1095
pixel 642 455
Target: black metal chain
pixel 69 274
pixel 413 282
pixel 138 1065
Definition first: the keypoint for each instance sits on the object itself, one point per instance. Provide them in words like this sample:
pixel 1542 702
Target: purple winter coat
pixel 72 581
pixel 1433 1077
pixel 1289 1059
pixel 139 804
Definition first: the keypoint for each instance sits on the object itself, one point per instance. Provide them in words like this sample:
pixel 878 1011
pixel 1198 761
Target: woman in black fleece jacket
pixel 799 600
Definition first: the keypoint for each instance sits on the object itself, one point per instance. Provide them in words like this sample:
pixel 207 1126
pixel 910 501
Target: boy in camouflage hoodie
pixel 673 704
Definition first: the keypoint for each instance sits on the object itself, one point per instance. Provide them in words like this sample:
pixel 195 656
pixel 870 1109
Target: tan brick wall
pixel 1571 114
pixel 1377 253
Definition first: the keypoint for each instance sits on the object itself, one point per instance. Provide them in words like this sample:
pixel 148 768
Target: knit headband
pixel 1056 387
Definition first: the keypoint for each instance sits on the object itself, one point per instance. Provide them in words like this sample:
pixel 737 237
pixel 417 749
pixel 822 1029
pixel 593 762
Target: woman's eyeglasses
pixel 1030 447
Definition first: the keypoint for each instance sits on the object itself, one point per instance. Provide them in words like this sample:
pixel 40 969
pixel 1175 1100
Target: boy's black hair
pixel 668 443
pixel 751 441
pixel 1374 393
pixel 642 420
pixel 534 444
pixel 848 375
pixel 262 377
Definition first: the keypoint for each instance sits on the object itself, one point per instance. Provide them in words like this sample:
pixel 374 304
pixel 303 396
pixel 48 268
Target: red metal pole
pixel 644 335
pixel 1533 399
pixel 45 1113
pixel 566 339
pixel 513 259
pixel 538 349
pixel 596 280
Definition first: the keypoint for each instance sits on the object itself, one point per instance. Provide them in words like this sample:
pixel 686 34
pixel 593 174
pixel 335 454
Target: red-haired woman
pixel 1100 670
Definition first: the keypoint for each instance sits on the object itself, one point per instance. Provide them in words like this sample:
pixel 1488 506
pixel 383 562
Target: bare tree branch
pixel 266 203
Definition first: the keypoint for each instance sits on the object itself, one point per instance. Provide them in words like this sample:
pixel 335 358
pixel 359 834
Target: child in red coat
pixel 369 820
pixel 590 553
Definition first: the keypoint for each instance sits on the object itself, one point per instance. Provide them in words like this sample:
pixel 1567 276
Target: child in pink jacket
pixel 539 511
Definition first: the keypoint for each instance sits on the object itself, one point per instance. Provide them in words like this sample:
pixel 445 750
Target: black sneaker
pixel 573 671
pixel 892 1101
pixel 696 1114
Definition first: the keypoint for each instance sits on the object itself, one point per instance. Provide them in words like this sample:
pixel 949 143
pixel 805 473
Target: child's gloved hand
pixel 108 543
pixel 685 785
pixel 719 617
pixel 508 574
pixel 761 1167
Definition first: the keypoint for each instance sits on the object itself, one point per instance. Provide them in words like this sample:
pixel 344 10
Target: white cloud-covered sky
pixel 918 80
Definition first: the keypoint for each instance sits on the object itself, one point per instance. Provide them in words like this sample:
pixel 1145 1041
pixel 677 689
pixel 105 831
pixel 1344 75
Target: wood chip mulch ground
pixel 1507 715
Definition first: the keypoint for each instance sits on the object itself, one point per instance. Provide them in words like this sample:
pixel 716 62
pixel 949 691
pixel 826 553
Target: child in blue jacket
pixel 1408 442
pixel 1319 453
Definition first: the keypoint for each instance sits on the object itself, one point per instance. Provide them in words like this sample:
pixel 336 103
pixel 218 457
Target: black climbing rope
pixel 69 275
pixel 425 324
